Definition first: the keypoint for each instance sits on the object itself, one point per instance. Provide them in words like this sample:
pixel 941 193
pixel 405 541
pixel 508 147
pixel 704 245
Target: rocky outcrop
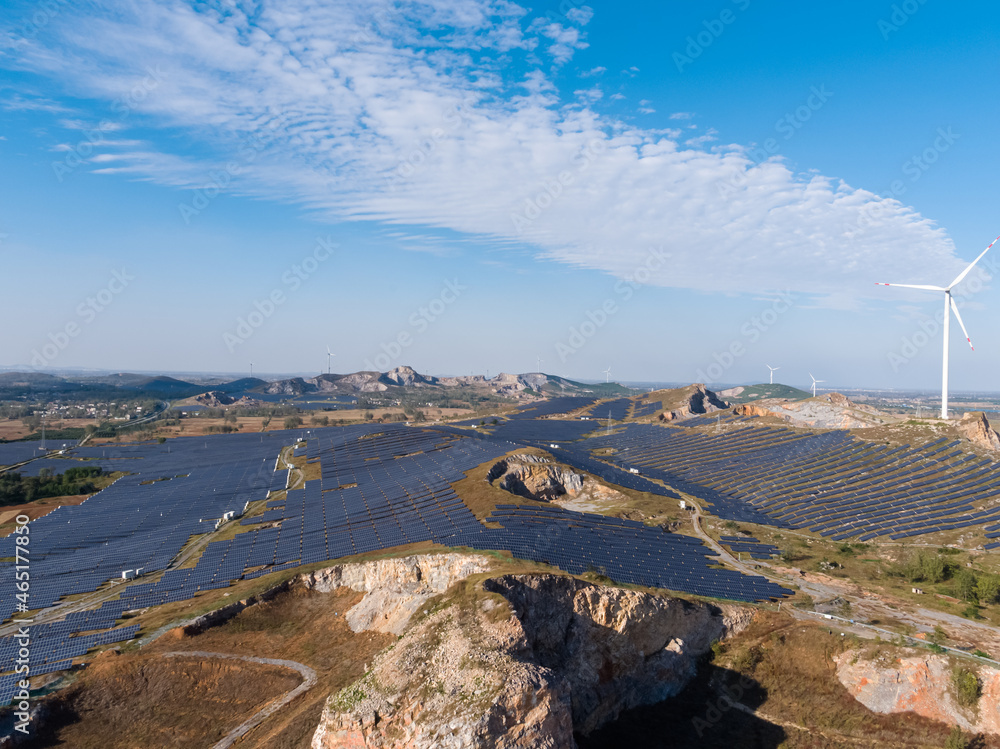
pixel 543 656
pixel 976 428
pixel 748 409
pixel 395 588
pixel 921 684
pixel 218 399
pixel 408 377
pixel 831 411
pixel 534 477
pixel 697 400
pixel 293 386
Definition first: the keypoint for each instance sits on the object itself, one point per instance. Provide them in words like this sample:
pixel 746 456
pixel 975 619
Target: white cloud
pixel 370 114
pixel 599 70
pixel 682 115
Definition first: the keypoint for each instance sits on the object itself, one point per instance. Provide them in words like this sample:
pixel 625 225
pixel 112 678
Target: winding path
pixel 308 681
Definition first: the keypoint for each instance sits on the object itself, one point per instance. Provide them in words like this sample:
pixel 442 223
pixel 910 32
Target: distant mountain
pixel 509 385
pixel 398 382
pixel 762 391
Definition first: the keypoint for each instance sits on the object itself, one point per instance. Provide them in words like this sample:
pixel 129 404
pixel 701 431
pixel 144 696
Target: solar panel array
pixel 12 453
pixel 553 406
pixel 617 409
pixel 751 546
pixel 831 483
pixel 643 409
pixel 380 486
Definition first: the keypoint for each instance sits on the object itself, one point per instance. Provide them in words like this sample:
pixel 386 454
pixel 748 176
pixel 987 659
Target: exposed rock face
pixel 395 588
pixel 921 684
pixel 294 386
pixel 571 656
pixel 217 399
pixel 748 409
pixel 698 400
pixel 976 428
pixel 831 411
pixel 408 377
pixel 535 477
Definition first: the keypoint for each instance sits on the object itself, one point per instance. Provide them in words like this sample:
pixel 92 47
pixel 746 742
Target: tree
pixel 988 587
pixel 965 584
pixel 293 422
pixel 968 688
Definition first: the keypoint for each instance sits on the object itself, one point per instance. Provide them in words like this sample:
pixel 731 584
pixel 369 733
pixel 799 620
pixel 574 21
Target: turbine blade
pixel 912 286
pixel 954 308
pixel 965 272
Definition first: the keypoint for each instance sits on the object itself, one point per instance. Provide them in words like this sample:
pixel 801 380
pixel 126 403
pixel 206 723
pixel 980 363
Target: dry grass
pixel 145 700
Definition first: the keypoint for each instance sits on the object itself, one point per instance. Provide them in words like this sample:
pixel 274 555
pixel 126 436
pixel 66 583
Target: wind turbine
pixel 949 307
pixel 773 370
pixel 538 364
pixel 815 381
pixel 329 355
pixel 251 370
pixel 607 374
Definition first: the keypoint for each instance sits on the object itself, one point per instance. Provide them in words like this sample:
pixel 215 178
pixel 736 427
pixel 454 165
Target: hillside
pixel 746 394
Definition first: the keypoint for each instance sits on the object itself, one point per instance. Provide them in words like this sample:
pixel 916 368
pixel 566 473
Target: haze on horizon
pixel 473 185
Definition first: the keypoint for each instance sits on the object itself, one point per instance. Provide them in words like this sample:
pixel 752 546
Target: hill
pixel 746 394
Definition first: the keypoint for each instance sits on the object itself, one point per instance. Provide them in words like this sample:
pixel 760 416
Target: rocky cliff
pixel 395 588
pixel 921 683
pixel 534 477
pixel 524 661
pixel 695 400
pixel 976 428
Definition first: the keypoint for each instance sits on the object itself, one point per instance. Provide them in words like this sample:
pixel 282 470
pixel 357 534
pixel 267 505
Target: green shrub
pixel 968 688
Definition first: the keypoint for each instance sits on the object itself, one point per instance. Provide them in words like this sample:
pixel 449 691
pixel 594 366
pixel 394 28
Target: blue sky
pixel 683 192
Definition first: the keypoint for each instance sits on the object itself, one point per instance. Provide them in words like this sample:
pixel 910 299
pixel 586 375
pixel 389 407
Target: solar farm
pixel 375 487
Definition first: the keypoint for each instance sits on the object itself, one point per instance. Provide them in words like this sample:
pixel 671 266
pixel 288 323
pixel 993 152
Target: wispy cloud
pixel 18 103
pixel 412 114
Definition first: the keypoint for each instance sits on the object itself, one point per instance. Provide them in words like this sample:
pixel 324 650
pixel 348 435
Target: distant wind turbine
pixel 538 364
pixel 815 381
pixel 329 355
pixel 607 374
pixel 251 370
pixel 949 307
pixel 773 370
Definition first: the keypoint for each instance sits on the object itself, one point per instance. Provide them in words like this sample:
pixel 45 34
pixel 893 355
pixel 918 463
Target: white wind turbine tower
pixel 773 370
pixel 329 355
pixel 607 374
pixel 949 307
pixel 815 381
